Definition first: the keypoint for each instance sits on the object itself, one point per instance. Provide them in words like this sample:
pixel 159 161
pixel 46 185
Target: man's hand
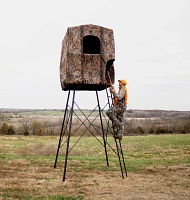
pixel 112 90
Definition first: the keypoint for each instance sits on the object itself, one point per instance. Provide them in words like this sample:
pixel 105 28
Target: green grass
pixel 60 197
pixel 139 151
pixel 57 112
pixel 17 194
pixel 42 112
pixel 20 154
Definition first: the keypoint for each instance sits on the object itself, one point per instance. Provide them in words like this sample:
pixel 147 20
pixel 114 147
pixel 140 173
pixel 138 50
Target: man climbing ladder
pixel 115 112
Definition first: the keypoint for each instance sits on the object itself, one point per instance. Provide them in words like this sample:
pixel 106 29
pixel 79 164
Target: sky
pixel 152 51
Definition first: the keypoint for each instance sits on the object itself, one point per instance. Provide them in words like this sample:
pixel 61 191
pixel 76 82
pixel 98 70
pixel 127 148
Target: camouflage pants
pixel 115 114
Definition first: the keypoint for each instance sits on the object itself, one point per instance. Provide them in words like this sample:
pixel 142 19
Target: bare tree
pixel 24 125
pixel 36 127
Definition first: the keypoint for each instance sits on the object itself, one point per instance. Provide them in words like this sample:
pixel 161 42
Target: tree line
pixel 27 126
pixel 133 126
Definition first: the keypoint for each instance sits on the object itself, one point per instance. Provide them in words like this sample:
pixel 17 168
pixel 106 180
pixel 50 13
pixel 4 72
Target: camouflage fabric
pixel 115 114
pixel 87 71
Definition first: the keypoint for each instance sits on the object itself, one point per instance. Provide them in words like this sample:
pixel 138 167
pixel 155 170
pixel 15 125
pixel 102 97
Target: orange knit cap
pixel 124 82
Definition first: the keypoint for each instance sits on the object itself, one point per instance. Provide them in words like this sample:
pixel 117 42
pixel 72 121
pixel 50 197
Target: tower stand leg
pixel 102 128
pixel 68 139
pixel 123 158
pixel 118 147
pixel 61 135
pixel 118 153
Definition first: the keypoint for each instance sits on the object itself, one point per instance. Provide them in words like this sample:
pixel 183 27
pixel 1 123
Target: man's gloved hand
pixel 112 90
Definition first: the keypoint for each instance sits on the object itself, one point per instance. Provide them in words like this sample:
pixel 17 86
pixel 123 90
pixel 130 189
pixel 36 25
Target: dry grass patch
pixel 27 170
pixel 37 149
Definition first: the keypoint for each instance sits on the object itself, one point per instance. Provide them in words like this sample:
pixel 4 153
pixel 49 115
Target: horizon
pixel 92 109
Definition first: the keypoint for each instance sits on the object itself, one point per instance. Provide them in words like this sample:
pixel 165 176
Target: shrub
pixel 36 127
pixel 170 131
pixel 151 130
pixel 26 132
pixel 4 129
pixel 11 130
pixel 139 129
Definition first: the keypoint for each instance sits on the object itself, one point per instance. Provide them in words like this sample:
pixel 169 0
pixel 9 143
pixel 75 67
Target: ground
pixel 152 183
pixel 156 170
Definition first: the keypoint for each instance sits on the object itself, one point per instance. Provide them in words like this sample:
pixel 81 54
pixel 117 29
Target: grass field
pixel 56 112
pixel 158 168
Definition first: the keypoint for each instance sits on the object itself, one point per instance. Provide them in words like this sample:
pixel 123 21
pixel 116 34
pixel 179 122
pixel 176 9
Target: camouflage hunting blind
pixel 87 54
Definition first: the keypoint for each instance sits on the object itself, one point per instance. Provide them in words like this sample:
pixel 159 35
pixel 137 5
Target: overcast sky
pixel 152 46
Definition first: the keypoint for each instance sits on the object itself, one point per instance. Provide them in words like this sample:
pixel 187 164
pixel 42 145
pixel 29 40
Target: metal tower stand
pixel 67 130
